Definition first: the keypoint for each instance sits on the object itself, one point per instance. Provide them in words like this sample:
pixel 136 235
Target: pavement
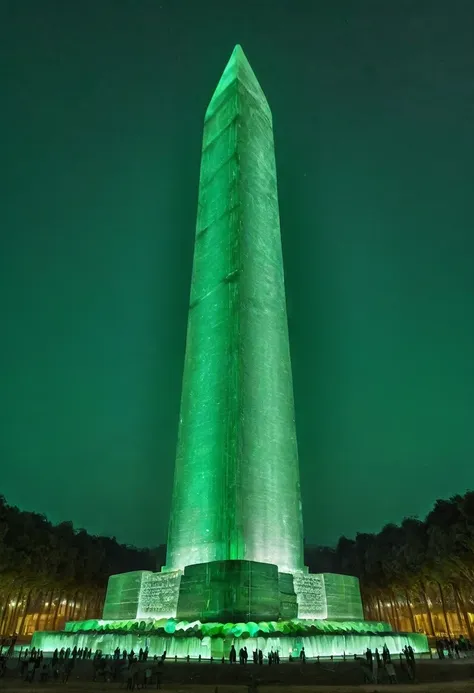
pixel 82 687
pixel 433 676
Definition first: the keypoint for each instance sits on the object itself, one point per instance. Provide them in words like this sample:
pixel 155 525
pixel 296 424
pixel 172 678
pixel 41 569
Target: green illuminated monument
pixel 236 508
pixel 237 489
pixel 235 547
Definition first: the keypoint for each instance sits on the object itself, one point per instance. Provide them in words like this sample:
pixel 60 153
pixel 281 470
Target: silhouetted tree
pixel 418 572
pixel 56 570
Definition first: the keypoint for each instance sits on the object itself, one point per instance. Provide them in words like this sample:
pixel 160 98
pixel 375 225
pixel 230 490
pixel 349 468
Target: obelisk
pixel 236 494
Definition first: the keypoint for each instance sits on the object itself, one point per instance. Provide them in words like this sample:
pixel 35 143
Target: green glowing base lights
pixel 171 626
pixel 194 640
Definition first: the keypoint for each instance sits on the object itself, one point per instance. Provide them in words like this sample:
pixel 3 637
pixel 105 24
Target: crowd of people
pixel 121 666
pixel 7 647
pixel 142 669
pixel 453 649
pixel 257 656
pixel 376 666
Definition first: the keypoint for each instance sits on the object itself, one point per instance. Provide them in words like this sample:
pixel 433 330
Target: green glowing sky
pixel 102 113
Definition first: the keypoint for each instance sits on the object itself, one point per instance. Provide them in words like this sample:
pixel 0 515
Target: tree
pixel 42 566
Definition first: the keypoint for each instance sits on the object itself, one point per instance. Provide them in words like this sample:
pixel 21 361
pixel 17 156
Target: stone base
pixel 142 594
pixel 234 591
pixel 328 596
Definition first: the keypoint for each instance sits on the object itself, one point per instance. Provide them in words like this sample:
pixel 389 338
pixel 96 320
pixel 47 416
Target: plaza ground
pixel 78 687
pixel 432 676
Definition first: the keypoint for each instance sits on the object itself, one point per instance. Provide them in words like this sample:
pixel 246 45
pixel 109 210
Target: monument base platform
pixel 201 611
pixel 214 640
pixel 232 591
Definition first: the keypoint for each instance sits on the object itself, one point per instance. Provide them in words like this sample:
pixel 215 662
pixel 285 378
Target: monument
pixel 235 547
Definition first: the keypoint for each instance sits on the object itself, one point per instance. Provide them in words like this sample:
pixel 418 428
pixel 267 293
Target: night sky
pixel 101 121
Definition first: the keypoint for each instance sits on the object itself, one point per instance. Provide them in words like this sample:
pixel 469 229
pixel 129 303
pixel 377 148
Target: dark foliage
pixel 417 567
pixel 56 565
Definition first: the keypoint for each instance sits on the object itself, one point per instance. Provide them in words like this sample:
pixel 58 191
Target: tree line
pixel 53 573
pixel 418 575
